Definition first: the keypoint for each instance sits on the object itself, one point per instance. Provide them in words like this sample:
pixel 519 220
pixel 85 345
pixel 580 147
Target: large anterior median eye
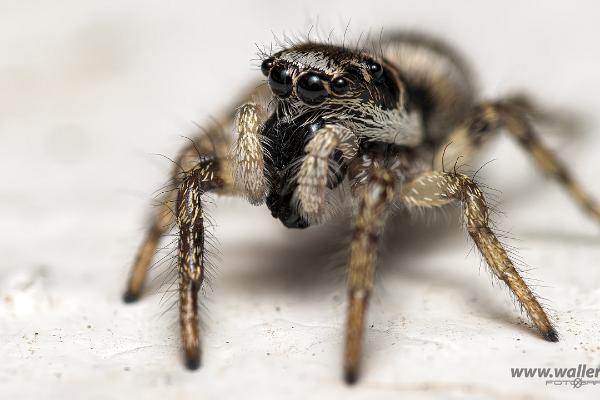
pixel 280 81
pixel 310 89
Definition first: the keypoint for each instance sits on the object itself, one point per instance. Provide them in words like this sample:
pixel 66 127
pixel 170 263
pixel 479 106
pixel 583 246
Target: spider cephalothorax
pixel 315 86
pixel 378 122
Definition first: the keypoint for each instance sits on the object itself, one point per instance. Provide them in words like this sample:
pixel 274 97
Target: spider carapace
pixel 321 87
pixel 374 126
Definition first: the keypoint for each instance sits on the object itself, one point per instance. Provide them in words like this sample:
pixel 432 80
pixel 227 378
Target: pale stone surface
pixel 89 92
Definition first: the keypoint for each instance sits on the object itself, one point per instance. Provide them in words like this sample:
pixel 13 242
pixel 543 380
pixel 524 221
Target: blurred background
pixel 91 91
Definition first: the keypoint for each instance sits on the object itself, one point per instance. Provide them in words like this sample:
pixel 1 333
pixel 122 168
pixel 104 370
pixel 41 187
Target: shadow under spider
pixel 313 262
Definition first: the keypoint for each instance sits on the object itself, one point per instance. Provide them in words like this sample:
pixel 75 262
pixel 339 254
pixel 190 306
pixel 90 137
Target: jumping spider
pixel 374 123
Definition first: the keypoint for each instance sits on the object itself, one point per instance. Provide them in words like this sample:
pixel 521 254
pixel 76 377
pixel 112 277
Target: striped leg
pixel 434 189
pixel 203 166
pixel 513 115
pixel 374 198
pixel 214 143
pixel 190 260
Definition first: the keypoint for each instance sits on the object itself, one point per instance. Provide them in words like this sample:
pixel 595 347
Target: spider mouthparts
pixel 280 206
pixel 294 221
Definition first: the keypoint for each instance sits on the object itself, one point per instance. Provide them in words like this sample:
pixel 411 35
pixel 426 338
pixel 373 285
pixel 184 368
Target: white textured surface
pixel 88 93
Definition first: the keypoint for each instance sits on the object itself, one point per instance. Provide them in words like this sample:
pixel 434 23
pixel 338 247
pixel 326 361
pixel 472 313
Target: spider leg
pixel 315 167
pixel 248 154
pixel 189 214
pixel 434 189
pixel 515 117
pixel 137 275
pixel 213 142
pixel 374 197
pixel 247 157
pixel 205 165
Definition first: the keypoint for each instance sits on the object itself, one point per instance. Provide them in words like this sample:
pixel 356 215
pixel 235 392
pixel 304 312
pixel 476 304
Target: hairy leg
pixel 213 142
pixel 248 154
pixel 189 214
pixel 434 189
pixel 374 197
pixel 315 168
pixel 203 166
pixel 515 116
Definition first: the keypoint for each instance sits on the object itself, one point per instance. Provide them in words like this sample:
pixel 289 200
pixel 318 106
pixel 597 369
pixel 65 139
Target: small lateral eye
pixel 375 69
pixel 340 85
pixel 266 66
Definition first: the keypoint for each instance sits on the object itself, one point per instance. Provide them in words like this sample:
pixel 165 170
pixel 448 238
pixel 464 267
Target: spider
pixel 372 125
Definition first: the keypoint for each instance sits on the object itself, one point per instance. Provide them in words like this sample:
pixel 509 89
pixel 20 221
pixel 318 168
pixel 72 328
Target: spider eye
pixel 310 89
pixel 340 85
pixel 266 66
pixel 375 69
pixel 280 81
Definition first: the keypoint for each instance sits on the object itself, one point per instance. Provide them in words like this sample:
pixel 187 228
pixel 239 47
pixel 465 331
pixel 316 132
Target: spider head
pixel 313 85
pixel 331 77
